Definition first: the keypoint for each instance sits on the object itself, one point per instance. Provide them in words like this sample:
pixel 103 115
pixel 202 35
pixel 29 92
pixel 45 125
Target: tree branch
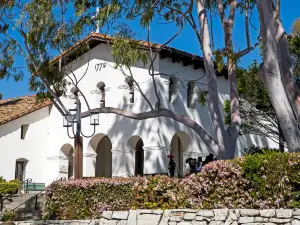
pixel 208 140
pixel 277 10
pixel 63 108
pixel 246 50
pixel 247 25
pixel 231 14
pixel 151 68
pixel 222 13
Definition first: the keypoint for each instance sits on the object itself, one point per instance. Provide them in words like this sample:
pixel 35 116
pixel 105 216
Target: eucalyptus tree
pixel 257 113
pixel 277 74
pixel 36 30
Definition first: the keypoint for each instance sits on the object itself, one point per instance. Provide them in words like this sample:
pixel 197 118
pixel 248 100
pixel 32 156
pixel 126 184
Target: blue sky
pixel 185 41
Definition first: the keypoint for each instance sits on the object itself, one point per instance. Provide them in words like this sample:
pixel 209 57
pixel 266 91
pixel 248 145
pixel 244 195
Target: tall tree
pixel 274 72
pixel 232 57
pixel 41 31
pixel 257 113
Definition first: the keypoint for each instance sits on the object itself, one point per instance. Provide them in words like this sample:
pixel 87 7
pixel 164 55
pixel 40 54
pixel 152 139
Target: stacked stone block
pixel 187 217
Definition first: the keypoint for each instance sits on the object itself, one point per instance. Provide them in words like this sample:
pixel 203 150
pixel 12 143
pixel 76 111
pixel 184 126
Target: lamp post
pixel 74 117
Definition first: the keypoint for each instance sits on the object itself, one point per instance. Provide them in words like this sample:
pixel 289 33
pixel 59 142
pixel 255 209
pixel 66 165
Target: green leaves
pixel 227 117
pixel 32 33
pixel 268 175
pixel 128 52
pixel 251 88
pixel 10 187
pixel 202 97
pixel 257 114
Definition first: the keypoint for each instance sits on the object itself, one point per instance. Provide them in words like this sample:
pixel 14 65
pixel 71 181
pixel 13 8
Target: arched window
pixel 191 95
pixel 101 87
pixel 173 89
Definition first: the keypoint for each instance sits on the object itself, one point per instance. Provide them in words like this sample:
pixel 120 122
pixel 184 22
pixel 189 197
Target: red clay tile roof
pixel 14 108
pixel 144 44
pixel 93 39
pixel 11 109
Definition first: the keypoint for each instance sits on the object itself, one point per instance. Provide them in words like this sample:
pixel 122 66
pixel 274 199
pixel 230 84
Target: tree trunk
pixel 270 74
pixel 234 102
pixel 213 98
pixel 285 64
pixel 234 129
pixel 281 139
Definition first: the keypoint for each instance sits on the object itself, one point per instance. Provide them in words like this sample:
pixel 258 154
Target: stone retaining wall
pixel 188 217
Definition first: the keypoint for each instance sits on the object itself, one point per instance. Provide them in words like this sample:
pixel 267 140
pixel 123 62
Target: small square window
pixel 24 129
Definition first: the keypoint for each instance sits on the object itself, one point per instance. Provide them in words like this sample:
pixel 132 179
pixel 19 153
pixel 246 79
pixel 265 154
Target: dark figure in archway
pixel 139 158
pixel 172 165
pixel 199 165
pixel 193 165
pixel 208 159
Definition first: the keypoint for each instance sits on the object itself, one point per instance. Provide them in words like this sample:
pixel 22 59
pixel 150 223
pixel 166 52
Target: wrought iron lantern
pixel 94 119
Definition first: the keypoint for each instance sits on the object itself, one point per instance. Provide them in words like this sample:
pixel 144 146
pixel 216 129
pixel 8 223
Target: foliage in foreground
pixel 9 216
pixel 87 198
pixel 268 180
pixel 251 150
pixel 10 187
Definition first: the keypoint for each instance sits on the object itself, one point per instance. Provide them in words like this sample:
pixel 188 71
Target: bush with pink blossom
pixel 87 198
pixel 268 180
pixel 221 184
pixel 160 192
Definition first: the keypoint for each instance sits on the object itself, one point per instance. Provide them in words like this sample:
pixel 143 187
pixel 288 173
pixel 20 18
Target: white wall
pixel 156 133
pixel 200 114
pixel 43 146
pixel 33 147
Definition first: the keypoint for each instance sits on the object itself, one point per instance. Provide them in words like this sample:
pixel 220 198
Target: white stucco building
pixel 34 144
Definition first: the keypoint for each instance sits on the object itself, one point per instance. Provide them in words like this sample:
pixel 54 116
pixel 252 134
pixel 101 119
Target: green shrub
pixel 9 216
pixel 294 178
pixel 159 192
pixel 10 187
pixel 88 198
pixel 255 149
pixel 268 176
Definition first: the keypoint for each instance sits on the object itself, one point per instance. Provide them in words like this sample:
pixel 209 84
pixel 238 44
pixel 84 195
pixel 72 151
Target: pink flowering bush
pixel 87 198
pixel 159 192
pixel 221 184
pixel 268 180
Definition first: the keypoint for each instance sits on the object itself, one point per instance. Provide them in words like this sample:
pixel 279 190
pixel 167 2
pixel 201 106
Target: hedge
pixel 10 187
pixel 87 198
pixel 269 180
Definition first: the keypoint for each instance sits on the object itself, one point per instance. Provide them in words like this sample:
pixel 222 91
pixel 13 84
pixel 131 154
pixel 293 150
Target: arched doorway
pixel 67 168
pixel 101 144
pixel 179 144
pixel 136 143
pixel 20 169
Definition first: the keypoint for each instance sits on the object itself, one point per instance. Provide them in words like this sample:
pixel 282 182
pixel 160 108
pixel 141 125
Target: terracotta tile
pixel 14 108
